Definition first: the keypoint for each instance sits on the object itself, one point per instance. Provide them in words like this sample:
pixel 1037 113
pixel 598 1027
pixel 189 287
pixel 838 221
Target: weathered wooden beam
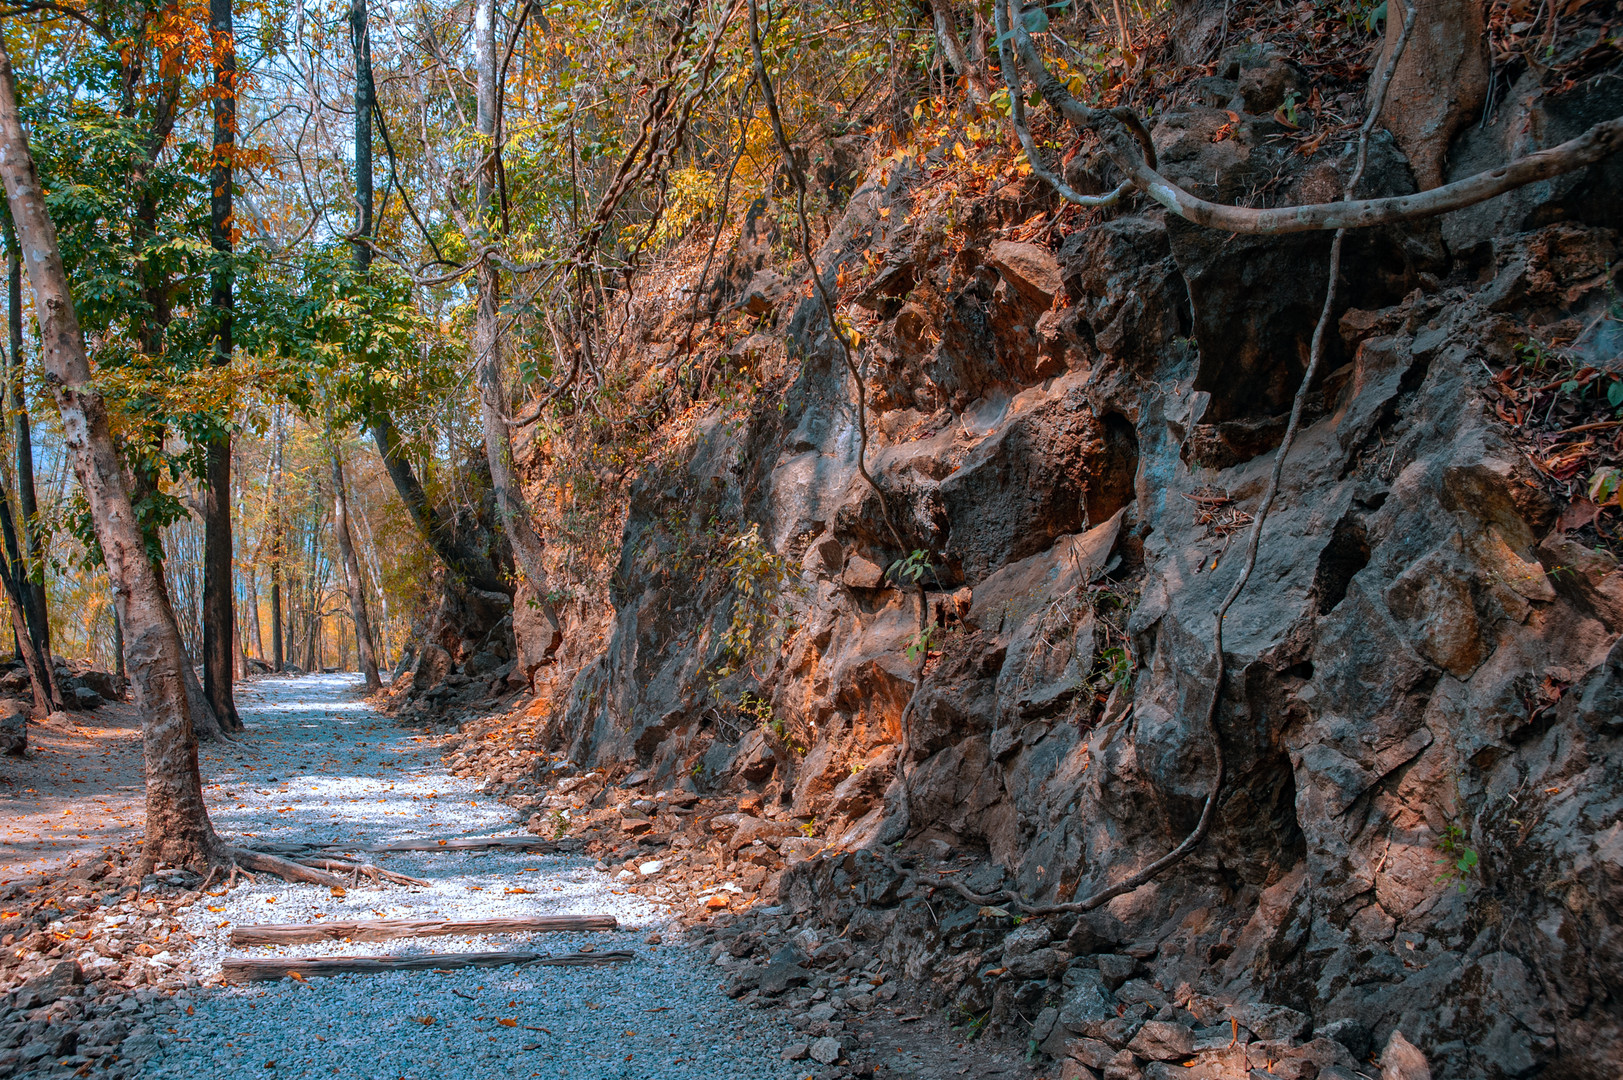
pixel 469 843
pixel 461 843
pixel 259 970
pixel 389 929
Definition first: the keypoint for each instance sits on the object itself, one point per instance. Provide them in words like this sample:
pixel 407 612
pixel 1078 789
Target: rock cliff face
pixel 1420 828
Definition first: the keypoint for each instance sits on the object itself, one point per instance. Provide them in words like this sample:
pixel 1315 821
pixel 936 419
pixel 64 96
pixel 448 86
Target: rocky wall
pixel 1420 826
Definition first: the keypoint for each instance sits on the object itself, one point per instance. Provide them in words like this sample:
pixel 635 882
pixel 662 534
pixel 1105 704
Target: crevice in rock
pixel 1345 555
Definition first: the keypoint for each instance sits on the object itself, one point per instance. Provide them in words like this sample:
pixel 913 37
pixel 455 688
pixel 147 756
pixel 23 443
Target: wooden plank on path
pixel 389 929
pixel 259 970
pixel 468 843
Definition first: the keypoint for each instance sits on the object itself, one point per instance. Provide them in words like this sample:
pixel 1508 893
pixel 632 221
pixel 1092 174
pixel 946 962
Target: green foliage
pixel 760 619
pixel 919 644
pixel 910 569
pixel 1457 862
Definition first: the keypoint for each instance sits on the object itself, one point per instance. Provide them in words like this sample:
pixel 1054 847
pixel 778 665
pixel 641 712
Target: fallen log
pixel 389 929
pixel 258 970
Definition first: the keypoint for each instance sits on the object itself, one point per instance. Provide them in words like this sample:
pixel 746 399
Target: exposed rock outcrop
pixel 1417 844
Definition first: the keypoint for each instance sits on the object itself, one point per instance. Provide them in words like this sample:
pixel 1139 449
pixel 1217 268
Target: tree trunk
pixel 1440 84
pixel 40 677
pixel 277 543
pixel 361 39
pixel 253 611
pixel 27 568
pixel 352 575
pixel 219 614
pixel 22 431
pixel 537 638
pixel 178 830
pixel 464 564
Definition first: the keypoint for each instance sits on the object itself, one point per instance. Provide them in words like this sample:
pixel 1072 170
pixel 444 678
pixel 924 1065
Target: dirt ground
pixel 77 792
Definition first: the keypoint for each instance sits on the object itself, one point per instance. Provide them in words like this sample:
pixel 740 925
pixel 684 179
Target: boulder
pixel 109 686
pixel 862 573
pixel 1030 268
pixel 13 727
pixel 57 982
pixel 433 667
pixel 764 292
pixel 1402 1060
pixel 1163 1040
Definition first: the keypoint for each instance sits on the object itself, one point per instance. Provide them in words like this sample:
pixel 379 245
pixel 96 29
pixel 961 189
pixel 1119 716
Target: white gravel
pixel 319 765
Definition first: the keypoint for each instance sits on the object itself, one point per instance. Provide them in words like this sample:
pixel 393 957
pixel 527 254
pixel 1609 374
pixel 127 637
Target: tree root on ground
pixel 233 862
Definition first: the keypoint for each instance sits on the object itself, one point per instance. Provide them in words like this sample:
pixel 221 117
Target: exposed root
pixel 376 874
pixel 234 862
pixel 286 869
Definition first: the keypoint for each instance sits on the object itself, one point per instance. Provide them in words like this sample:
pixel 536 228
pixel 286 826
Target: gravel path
pixel 319 765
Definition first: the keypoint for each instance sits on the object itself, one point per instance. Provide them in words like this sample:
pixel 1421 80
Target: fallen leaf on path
pixel 507 1021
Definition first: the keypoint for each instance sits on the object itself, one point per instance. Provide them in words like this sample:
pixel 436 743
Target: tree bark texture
pixel 1440 83
pixel 219 601
pixel 178 830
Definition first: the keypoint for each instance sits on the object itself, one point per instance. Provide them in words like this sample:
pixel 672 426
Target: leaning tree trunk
pixel 352 575
pixel 537 637
pixel 219 608
pixel 178 830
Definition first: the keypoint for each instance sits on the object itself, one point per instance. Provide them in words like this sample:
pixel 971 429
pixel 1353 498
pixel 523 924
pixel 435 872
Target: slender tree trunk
pixel 26 565
pixel 40 677
pixel 278 543
pixel 352 575
pixel 253 612
pixel 361 40
pixel 537 638
pixel 22 431
pixel 118 644
pixel 219 631
pixel 178 830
